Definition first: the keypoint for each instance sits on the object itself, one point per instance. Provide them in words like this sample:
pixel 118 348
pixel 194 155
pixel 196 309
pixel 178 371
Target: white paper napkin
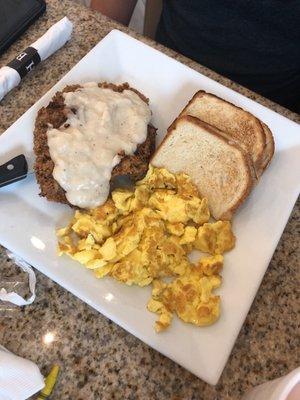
pixel 54 38
pixel 46 45
pixel 19 378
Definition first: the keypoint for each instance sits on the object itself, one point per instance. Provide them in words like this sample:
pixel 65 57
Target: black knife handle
pixel 14 170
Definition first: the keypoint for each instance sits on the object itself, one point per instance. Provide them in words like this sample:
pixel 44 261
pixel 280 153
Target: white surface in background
pixel 138 17
pixel 258 224
pixel 283 388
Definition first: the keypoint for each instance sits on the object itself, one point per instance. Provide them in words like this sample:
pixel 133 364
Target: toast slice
pixel 270 146
pixel 220 168
pixel 237 123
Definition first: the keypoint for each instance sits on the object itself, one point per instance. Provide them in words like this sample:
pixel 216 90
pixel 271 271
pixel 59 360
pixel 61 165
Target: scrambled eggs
pixel 144 235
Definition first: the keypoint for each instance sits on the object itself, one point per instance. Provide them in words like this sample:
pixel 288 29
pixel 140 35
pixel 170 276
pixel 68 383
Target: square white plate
pixel 28 222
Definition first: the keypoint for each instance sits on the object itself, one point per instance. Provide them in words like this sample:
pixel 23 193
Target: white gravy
pixel 85 148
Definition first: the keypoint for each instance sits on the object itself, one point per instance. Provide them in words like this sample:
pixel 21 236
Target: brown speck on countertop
pixel 98 359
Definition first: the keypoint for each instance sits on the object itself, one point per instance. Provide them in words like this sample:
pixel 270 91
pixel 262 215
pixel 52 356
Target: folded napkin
pixel 19 378
pixel 283 388
pixel 54 38
pixel 49 43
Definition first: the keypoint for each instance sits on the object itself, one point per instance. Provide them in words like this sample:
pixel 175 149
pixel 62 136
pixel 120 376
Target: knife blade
pixel 14 170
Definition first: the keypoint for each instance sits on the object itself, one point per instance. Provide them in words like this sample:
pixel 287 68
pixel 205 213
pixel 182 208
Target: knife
pixel 17 169
pixel 13 170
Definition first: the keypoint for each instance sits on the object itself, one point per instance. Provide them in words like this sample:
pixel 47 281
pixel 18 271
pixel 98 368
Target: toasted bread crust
pixel 251 178
pixel 260 161
pixel 270 147
pixel 55 114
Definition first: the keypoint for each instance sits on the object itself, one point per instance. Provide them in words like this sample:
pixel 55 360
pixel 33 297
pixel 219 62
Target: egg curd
pixel 144 235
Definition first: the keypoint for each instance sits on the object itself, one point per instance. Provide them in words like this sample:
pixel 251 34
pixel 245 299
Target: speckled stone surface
pixel 99 360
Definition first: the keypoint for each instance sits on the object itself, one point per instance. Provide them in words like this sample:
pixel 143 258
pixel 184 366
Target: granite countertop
pixel 98 359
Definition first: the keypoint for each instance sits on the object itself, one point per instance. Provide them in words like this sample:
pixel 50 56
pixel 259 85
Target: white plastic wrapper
pixel 13 297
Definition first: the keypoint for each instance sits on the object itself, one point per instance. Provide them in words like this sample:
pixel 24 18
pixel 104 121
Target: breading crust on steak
pixel 55 114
